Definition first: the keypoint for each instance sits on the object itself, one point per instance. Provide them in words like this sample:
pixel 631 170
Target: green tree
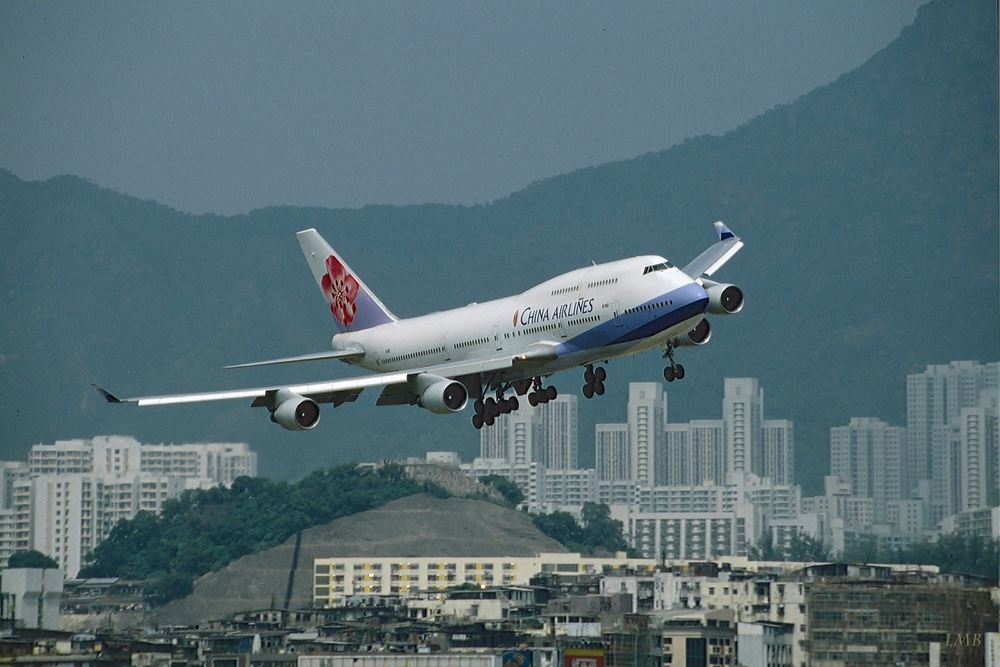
pixel 600 531
pixel 508 488
pixel 32 559
pixel 807 548
pixel 168 587
pixel 598 534
pixel 764 549
pixel 562 527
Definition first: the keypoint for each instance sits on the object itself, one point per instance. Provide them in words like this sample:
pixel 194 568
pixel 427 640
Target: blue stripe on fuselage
pixel 688 301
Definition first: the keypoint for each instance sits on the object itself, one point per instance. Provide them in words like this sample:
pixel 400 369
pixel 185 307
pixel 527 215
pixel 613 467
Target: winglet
pixel 723 231
pixel 108 396
pixel 709 261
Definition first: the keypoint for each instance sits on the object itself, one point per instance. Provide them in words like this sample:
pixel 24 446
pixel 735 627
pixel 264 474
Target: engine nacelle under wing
pixel 437 394
pixel 723 299
pixel 700 335
pixel 294 412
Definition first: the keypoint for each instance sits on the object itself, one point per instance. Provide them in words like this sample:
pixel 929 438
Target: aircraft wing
pixel 347 390
pixel 709 261
pixel 335 354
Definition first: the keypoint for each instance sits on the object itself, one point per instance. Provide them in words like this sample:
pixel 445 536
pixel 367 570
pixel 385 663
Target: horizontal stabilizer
pixel 709 261
pixel 336 354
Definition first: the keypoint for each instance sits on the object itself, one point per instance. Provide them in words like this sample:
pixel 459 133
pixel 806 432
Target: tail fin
pixel 352 304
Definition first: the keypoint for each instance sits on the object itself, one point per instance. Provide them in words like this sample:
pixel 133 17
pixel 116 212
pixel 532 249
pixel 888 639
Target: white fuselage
pixel 591 314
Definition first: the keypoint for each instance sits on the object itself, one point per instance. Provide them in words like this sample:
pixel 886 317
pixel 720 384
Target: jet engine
pixel 723 299
pixel 294 412
pixel 438 394
pixel 697 336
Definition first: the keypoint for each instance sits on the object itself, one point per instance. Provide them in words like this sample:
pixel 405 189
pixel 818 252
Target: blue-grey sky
pixel 225 107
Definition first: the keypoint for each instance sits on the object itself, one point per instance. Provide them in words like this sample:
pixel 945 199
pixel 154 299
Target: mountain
pixel 869 209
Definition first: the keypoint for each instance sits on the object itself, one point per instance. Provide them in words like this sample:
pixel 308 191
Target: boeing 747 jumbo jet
pixel 496 351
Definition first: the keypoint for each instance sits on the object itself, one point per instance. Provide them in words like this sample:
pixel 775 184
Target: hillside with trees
pixel 204 530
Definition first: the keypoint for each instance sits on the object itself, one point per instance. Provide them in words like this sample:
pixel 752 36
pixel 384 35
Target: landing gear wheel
pixel 600 374
pixel 513 403
pixel 477 421
pixel 550 394
pixel 489 419
pixel 533 399
pixel 588 375
pixel 491 408
pixel 503 406
pixel 668 374
pixel 599 388
pixel 588 391
pixel 679 372
pixel 479 407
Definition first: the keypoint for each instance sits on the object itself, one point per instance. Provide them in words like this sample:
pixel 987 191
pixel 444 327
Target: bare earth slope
pixel 419 525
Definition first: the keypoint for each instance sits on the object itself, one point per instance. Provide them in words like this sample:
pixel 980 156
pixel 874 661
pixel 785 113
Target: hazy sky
pixel 225 107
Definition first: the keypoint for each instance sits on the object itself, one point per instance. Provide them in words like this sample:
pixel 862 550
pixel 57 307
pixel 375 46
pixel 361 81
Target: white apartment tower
pixel 611 452
pixel 65 516
pixel 778 450
pixel 695 453
pixel 72 493
pixel 869 452
pixel 647 418
pixel 545 434
pixel 978 449
pixel 934 403
pixel 556 448
pixel 218 463
pixel 742 411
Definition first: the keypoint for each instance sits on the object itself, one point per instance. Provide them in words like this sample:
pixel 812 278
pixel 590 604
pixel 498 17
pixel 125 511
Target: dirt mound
pixel 415 526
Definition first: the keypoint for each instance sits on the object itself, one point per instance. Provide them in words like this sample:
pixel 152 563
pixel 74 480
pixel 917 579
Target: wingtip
pixel 108 396
pixel 723 231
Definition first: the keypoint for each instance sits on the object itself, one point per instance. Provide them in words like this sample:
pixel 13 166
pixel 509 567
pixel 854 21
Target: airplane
pixel 510 345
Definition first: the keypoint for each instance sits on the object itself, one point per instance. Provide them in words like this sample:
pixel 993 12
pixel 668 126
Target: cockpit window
pixel 663 266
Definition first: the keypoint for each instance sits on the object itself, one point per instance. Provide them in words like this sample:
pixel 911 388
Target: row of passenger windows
pixel 651 306
pixel 412 355
pixel 565 290
pixel 608 281
pixel 478 341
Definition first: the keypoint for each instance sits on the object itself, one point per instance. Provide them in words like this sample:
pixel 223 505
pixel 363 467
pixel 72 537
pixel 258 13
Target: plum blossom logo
pixel 340 289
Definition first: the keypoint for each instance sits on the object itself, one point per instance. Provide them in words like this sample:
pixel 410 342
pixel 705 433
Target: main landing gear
pixel 593 381
pixel 674 371
pixel 541 395
pixel 487 411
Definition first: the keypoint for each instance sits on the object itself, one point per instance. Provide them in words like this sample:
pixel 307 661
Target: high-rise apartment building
pixel 777 450
pixel 67 515
pixel 611 452
pixel 870 453
pixel 556 446
pixel 934 403
pixel 10 472
pixel 647 418
pixel 111 455
pixel 545 434
pixel 695 453
pixel 742 411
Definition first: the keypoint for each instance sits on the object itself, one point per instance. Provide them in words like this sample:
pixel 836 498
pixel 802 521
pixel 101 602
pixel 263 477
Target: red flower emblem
pixel 340 289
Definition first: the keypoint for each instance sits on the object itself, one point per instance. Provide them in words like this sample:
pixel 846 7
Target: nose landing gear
pixel 674 371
